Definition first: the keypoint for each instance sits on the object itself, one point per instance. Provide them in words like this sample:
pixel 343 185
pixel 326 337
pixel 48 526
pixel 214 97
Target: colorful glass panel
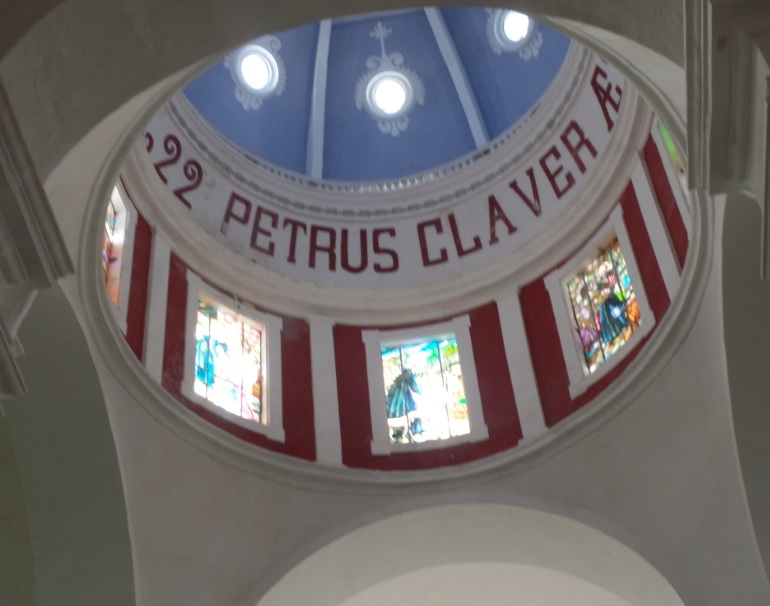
pixel 112 247
pixel 424 392
pixel 605 311
pixel 228 361
pixel 676 157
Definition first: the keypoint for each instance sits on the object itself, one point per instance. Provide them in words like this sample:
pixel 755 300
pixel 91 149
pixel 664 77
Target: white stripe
pixel 459 77
pixel 656 228
pixel 520 367
pixel 157 302
pixel 315 135
pixel 328 437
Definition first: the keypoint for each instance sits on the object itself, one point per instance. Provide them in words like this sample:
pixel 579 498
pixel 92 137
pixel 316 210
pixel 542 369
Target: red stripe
pixel 545 352
pixel 353 395
pixel 497 398
pixel 136 316
pixel 666 200
pixel 649 268
pixel 297 383
pixel 176 323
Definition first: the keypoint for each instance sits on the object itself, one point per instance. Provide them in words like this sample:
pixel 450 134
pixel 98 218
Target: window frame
pixel 556 284
pixel 457 328
pixel 272 376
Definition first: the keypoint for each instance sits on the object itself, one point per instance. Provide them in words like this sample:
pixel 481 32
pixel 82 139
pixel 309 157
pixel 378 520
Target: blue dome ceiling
pixel 474 91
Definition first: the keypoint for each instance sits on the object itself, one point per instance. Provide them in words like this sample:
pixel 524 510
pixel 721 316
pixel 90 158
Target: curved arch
pixel 747 348
pixel 428 544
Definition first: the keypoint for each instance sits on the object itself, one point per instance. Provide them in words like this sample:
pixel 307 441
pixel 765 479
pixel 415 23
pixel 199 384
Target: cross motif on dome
pixel 388 91
pixel 380 32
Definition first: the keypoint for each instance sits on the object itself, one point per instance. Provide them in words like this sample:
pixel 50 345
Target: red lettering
pixel 270 250
pixel 534 201
pixel 421 227
pixel 554 171
pixel 461 251
pixel 379 250
pixel 328 248
pixel 294 225
pixel 344 261
pixel 574 147
pixel 496 214
pixel 603 92
pixel 230 213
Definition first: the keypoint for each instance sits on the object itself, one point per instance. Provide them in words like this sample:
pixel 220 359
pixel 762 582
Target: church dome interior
pixel 281 173
pixel 450 305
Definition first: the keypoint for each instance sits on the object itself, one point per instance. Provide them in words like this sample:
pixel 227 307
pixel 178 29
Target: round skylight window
pixel 389 95
pixel 257 69
pixel 511 30
pixel 515 26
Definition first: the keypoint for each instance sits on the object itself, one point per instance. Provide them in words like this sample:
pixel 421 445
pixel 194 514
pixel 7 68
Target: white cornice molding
pixel 737 89
pixel 32 251
pixel 208 256
pixel 607 45
pixel 116 359
pixel 699 91
pixel 441 186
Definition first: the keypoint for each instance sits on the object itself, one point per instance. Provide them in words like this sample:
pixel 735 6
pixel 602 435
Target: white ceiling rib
pixel 459 77
pixel 315 135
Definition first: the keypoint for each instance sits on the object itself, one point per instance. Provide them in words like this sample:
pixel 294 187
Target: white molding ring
pixel 121 363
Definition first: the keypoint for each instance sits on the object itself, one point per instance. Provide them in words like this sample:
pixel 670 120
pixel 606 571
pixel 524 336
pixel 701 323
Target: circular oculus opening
pixel 257 69
pixel 389 95
pixel 515 26
pixel 513 29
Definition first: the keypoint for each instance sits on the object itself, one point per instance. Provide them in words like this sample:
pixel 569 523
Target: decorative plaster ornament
pixel 258 72
pixel 388 91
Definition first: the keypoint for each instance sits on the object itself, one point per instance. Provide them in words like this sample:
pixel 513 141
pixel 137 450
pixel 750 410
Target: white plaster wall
pixel 489 554
pixel 68 468
pixel 17 569
pixel 662 477
pixel 490 584
pixel 747 347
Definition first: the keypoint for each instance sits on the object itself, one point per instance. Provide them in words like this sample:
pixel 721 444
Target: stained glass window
pixel 229 355
pixel 676 157
pixel 424 392
pixel 114 238
pixel 605 312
